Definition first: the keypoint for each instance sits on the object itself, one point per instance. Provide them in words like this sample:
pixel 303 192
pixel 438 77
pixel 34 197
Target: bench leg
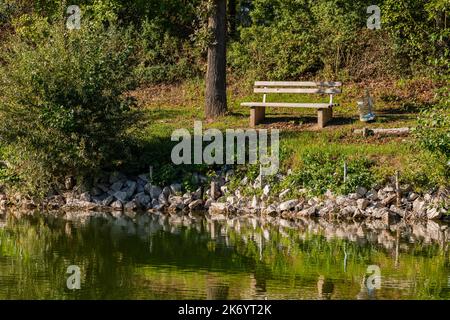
pixel 323 116
pixel 257 114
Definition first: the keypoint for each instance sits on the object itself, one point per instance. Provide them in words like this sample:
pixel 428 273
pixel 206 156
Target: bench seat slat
pixel 288 105
pixel 296 90
pixel 298 84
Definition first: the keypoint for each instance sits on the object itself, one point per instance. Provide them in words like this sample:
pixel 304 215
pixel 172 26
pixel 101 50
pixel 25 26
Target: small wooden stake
pixel 397 189
pixel 345 172
pixel 213 190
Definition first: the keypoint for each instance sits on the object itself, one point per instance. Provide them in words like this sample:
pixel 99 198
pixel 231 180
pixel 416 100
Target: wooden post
pixel 345 172
pixel 397 189
pixel 257 114
pixel 323 116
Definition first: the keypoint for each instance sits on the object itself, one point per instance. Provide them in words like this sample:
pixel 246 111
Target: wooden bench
pixel 324 110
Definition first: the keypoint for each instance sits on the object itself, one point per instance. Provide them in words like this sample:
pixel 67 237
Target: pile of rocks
pixel 117 192
pixel 377 203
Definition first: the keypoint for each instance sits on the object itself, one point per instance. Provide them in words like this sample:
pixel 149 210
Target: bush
pixel 321 172
pixel 433 130
pixel 62 105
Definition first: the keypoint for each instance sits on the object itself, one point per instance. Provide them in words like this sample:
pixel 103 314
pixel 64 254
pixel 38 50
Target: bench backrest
pixel 326 87
pixel 297 87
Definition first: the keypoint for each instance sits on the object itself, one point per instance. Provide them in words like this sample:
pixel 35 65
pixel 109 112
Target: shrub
pixel 433 130
pixel 321 172
pixel 62 105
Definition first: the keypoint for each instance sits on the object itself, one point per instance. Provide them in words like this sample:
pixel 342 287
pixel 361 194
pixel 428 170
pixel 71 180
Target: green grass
pixel 175 107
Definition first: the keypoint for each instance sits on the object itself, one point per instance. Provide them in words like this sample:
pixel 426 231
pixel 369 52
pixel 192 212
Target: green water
pixel 171 257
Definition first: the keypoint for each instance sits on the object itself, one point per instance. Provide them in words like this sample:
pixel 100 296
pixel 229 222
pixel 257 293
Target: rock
pixel 142 200
pixel 196 204
pixel 85 197
pixel 255 203
pixel 310 212
pixel 175 188
pixel 3 204
pixel 153 191
pixel 418 206
pixel 348 211
pixel 434 214
pixel 132 185
pixel 155 203
pixel 271 210
pixel 108 201
pixel 2 196
pixel 284 193
pixel 288 205
pixel 354 196
pixel 117 186
pixel 175 200
pixel 389 200
pixel 217 208
pixel 388 189
pixel 362 203
pixel 412 196
pixel 131 206
pixel 162 199
pixel 372 195
pixel 232 200
pixel 244 181
pixel 341 200
pixel 117 205
pixel 121 195
pixel 361 191
pixel 80 204
pixel 166 192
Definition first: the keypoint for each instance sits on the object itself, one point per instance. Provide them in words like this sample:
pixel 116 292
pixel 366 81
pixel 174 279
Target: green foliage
pixel 433 130
pixel 323 171
pixel 62 104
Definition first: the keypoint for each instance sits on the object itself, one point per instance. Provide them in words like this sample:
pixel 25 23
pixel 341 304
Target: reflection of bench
pixel 324 110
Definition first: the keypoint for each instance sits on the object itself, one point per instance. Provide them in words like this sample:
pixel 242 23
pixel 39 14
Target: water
pixel 170 257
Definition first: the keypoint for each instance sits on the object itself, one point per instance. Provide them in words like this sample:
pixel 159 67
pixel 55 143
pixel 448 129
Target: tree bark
pixel 216 96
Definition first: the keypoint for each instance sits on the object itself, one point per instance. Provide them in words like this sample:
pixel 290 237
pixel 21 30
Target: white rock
pixel 418 206
pixel 255 203
pixel 288 205
pixel 361 191
pixel 117 205
pixel 217 207
pixel 362 203
pixel 266 190
pixel 434 214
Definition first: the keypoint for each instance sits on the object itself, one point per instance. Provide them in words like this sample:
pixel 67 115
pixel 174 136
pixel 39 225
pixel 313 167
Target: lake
pixel 156 256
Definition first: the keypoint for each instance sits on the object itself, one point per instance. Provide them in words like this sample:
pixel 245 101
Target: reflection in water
pixel 141 256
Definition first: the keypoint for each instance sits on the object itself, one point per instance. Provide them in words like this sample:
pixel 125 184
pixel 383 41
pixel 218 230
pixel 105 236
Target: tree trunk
pixel 216 96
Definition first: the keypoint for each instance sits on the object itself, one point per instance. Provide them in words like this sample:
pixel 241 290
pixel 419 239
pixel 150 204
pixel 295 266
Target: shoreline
pixel 118 192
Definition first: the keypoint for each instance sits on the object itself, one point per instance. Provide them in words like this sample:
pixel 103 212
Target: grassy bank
pixel 167 108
